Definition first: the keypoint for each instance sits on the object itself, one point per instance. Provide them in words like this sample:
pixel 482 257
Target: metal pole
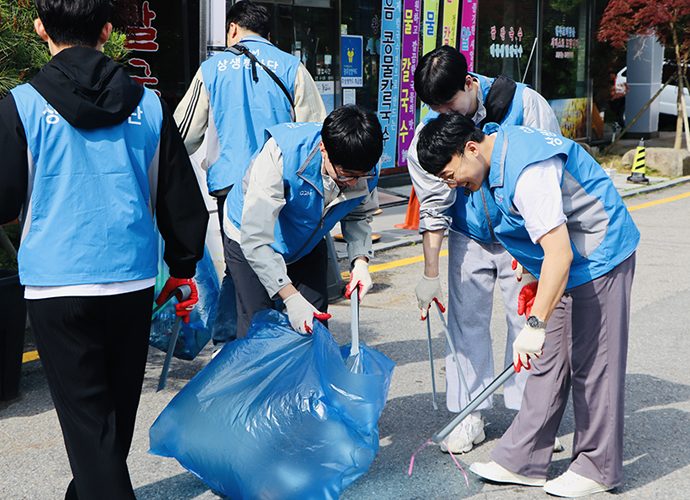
pixel 461 376
pixel 182 293
pixel 608 148
pixel 498 382
pixel 431 361
pixel 524 75
pixel 354 320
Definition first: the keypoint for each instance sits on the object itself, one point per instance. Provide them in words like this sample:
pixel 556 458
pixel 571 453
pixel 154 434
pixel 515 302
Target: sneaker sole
pixel 508 479
pixel 557 492
pixel 481 437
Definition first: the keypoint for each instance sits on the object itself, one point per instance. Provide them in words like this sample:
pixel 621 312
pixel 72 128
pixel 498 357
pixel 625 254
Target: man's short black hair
pixel 73 22
pixel 443 138
pixel 440 74
pixel 249 16
pixel 353 138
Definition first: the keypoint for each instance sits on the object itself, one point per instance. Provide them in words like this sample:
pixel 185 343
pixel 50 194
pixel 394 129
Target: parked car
pixel 668 98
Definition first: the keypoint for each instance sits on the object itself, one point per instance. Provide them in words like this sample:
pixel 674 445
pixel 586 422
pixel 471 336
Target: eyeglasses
pixel 348 178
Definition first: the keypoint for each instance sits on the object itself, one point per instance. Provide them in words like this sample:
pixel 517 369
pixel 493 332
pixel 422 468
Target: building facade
pixel 365 52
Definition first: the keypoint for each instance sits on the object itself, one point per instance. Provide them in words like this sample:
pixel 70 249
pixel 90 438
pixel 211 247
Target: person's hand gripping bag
pixel 277 415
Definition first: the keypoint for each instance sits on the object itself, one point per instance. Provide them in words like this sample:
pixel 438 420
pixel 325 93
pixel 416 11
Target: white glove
pixel 522 274
pixel 528 344
pixel 359 276
pixel 302 313
pixel 427 291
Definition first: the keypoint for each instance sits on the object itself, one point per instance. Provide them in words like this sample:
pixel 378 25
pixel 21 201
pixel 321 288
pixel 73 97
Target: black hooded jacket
pixel 90 91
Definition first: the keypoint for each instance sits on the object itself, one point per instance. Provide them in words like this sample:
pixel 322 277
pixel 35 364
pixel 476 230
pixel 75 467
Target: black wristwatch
pixel 534 322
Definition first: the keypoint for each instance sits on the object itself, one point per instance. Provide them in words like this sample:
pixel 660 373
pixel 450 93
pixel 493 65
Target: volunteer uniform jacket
pixel 227 106
pixel 90 154
pixel 441 207
pixel 303 219
pixel 602 233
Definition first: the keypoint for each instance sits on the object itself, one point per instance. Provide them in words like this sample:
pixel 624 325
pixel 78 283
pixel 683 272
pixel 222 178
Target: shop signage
pixel 507 42
pixel 450 22
pixel 572 116
pixel 467 31
pixel 389 74
pixel 410 51
pixel 142 38
pixel 429 31
pixel 565 38
pixel 351 57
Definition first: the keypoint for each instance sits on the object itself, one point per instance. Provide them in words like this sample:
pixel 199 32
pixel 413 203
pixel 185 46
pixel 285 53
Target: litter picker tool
pixel 461 376
pixel 431 361
pixel 443 433
pixel 354 361
pixel 181 293
pixel 498 382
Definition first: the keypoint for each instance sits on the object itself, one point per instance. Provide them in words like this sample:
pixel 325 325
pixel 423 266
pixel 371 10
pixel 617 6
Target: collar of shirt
pixel 481 110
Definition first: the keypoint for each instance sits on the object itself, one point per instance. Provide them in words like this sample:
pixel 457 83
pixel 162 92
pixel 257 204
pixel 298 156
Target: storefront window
pixel 564 65
pixel 164 44
pixel 505 37
pixel 363 18
pixel 309 30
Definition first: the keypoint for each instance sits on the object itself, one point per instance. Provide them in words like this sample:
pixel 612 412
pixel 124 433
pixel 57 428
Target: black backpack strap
pixel 499 99
pixel 241 49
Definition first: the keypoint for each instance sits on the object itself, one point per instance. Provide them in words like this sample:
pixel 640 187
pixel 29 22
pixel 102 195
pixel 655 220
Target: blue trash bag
pixel 194 335
pixel 277 415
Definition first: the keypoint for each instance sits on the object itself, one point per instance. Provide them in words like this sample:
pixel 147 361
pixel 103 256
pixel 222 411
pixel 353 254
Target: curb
pixel 656 187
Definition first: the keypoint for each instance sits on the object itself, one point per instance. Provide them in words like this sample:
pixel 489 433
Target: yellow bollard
pixel 639 167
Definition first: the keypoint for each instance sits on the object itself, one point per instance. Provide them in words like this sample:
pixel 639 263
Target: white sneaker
pixel 573 485
pixel 498 474
pixel 465 435
pixel 217 348
pixel 558 446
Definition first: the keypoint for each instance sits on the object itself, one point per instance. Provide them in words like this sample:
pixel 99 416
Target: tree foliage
pixel 23 53
pixel 668 19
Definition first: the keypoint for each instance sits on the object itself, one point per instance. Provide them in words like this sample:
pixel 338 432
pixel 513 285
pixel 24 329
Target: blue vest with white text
pixel 301 223
pixel 89 216
pixel 241 109
pixel 469 213
pixel 602 233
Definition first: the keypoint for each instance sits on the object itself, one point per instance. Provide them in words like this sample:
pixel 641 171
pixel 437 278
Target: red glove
pixel 183 308
pixel 526 298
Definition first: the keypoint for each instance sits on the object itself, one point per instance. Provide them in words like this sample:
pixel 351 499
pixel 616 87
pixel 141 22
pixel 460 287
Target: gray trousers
pixel 473 270
pixel 586 348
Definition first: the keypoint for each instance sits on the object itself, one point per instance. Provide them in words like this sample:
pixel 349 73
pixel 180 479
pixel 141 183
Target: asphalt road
pixel 33 464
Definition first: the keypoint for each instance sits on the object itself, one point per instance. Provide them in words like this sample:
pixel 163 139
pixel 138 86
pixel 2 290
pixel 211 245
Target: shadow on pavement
pixel 184 486
pixel 656 434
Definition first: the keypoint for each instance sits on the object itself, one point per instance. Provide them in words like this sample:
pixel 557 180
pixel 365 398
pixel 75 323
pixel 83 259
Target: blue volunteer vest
pixel 242 108
pixel 602 233
pixel 301 223
pixel 89 212
pixel 469 213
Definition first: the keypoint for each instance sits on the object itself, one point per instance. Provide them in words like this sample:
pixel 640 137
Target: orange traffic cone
pixel 412 215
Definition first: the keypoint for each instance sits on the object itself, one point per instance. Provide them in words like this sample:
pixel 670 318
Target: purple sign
pixel 408 63
pixel 467 31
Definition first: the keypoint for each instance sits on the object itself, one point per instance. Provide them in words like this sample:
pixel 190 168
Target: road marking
pixel 658 202
pixel 396 263
pixel 29 356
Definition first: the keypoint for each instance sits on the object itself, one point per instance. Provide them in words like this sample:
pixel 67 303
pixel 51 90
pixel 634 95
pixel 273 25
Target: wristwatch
pixel 534 322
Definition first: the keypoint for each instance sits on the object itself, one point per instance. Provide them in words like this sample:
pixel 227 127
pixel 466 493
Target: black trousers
pixel 309 275
pixel 93 351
